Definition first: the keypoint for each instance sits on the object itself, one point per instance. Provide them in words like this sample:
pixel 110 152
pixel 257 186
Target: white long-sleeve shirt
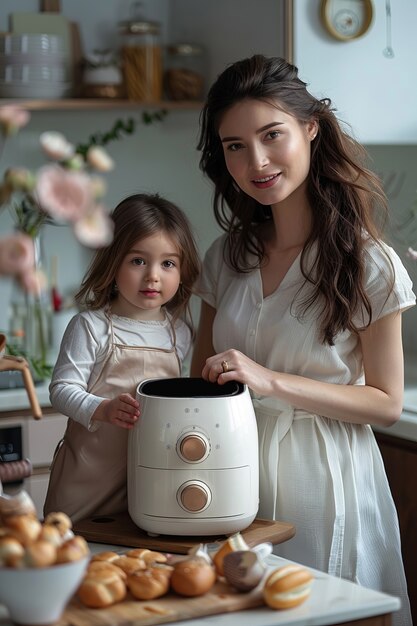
pixel 84 347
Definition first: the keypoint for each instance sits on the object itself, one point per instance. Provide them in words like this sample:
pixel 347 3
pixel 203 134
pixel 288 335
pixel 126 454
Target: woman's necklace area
pixel 276 268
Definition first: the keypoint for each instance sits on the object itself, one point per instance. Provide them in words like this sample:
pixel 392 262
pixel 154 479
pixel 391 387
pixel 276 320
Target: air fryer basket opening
pixel 189 388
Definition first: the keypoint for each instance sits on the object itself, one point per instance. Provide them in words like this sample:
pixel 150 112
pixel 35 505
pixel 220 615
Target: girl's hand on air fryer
pixel 233 365
pixel 122 411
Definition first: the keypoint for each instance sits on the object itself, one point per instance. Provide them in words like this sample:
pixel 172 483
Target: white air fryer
pixel 193 458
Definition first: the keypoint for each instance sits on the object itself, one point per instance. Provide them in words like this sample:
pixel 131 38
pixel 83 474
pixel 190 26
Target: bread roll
pixel 192 577
pixel 101 590
pixel 149 556
pixel 51 534
pixel 60 520
pixel 11 551
pixel 164 568
pixel 38 554
pixel 105 556
pixel 105 566
pixel 129 564
pixel 25 528
pixel 287 587
pixel 148 584
pixel 72 550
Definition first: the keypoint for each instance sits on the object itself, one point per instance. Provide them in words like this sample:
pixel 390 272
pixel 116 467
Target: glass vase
pixel 30 320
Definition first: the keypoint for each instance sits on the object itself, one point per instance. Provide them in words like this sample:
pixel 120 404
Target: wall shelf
pixel 84 104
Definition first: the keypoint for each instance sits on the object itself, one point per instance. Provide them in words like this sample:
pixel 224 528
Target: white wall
pixel 377 96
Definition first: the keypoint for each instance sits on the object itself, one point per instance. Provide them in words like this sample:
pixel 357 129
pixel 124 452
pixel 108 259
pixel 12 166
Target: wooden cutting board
pixel 171 608
pixel 120 530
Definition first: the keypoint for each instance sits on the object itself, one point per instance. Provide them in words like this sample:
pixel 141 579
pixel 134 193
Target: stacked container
pixel 141 55
pixel 33 66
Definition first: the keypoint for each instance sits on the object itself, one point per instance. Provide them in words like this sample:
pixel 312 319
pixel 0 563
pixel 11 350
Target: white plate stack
pixel 34 66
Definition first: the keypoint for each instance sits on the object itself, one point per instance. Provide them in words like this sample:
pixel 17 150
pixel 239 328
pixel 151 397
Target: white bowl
pixel 31 43
pixel 33 58
pixel 39 596
pixel 36 90
pixel 29 73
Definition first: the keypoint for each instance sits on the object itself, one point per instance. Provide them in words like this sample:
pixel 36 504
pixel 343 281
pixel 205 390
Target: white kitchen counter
pixel 15 399
pixel 332 601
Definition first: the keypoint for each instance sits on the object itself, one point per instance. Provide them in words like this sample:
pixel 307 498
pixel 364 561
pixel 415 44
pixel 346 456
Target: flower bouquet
pixel 68 189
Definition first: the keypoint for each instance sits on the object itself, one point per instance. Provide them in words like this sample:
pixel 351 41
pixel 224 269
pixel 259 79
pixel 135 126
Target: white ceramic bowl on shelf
pixel 40 90
pixel 29 73
pixel 39 596
pixel 36 43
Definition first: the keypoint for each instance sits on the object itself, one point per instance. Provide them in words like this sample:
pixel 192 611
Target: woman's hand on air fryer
pixel 233 365
pixel 121 411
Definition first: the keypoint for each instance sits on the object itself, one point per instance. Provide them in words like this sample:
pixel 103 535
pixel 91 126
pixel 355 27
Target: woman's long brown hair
pixel 347 199
pixel 137 217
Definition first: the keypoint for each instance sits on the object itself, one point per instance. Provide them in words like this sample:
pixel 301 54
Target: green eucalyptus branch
pixel 29 217
pixel 119 129
pixel 40 368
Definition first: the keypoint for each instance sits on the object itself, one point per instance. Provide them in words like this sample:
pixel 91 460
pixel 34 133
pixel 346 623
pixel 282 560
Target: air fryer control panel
pixel 193 447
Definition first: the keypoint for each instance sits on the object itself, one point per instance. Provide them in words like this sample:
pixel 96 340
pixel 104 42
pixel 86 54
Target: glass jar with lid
pixel 141 56
pixel 184 76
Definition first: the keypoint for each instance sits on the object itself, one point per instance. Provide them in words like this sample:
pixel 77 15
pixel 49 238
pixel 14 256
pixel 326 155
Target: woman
pixel 302 302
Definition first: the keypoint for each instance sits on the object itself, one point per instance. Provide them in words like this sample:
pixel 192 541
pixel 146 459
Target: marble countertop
pixel 332 601
pixel 15 399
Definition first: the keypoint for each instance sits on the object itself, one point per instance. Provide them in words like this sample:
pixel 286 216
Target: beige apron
pixel 89 470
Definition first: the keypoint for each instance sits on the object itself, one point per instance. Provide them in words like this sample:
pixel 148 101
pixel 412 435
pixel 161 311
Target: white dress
pixel 325 476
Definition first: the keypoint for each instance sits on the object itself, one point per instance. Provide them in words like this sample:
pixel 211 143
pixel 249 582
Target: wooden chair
pixel 12 471
pixel 18 363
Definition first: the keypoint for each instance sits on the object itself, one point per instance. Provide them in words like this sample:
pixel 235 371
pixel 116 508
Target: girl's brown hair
pixel 347 199
pixel 137 217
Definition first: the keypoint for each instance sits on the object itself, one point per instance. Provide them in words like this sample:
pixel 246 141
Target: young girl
pixel 136 294
pixel 302 302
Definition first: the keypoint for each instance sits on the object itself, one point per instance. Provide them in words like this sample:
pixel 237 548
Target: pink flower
pixel 56 146
pixel 98 186
pixel 95 229
pixel 412 254
pixel 98 158
pixel 33 281
pixel 12 118
pixel 17 255
pixel 64 194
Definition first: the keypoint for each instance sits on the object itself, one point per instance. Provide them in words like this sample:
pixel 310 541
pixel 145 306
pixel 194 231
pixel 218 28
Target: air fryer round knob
pixel 194 496
pixel 193 447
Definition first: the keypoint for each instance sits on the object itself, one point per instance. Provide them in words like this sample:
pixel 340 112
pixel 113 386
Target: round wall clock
pixel 347 19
